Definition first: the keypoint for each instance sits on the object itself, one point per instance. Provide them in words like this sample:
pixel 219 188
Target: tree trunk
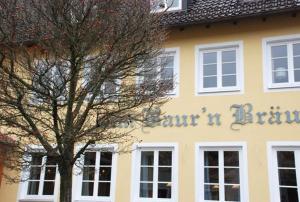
pixel 65 183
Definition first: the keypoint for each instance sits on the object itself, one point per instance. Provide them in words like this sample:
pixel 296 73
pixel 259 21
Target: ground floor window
pixel 284 168
pixel 97 173
pixel 155 173
pixel 221 172
pixel 40 177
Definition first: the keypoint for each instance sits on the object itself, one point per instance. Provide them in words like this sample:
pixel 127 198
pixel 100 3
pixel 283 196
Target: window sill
pixel 36 199
pixel 220 92
pixel 282 88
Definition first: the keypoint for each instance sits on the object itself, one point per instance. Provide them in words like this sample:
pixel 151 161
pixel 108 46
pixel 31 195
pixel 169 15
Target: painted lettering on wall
pixel 242 114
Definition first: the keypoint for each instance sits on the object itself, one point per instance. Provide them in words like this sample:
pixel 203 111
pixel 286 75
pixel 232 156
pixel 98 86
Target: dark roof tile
pixel 206 11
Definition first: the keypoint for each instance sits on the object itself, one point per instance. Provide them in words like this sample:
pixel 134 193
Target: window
pixel 219 67
pixel 161 5
pixel 97 175
pixel 40 178
pixel 109 89
pixel 221 173
pixel 155 173
pixel 284 172
pixel 50 79
pixel 167 71
pixel 282 62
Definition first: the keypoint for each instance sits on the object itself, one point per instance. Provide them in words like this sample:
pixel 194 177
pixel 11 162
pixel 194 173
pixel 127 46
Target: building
pixel 231 131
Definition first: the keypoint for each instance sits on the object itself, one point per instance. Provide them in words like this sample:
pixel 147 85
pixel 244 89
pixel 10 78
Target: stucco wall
pixel 251 32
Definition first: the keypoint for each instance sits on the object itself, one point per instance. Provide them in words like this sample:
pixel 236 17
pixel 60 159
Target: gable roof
pixel 207 11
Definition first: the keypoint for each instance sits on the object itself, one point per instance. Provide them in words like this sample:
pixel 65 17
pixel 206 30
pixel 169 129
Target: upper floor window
pixel 155 174
pixel 109 88
pixel 41 178
pixel 219 67
pixel 284 172
pixel 97 177
pixel 161 5
pixel 221 171
pixel 282 62
pixel 167 71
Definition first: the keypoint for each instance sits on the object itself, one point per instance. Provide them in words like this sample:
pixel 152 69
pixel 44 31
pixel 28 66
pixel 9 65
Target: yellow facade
pixel 251 32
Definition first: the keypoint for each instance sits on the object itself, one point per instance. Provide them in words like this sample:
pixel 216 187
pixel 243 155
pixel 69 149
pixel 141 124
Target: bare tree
pixel 68 72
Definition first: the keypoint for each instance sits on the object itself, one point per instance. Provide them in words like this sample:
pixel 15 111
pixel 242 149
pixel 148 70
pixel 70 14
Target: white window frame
pixel 135 170
pixel 23 186
pixel 77 182
pixel 84 81
pixel 272 148
pixel 165 52
pixel 179 7
pixel 219 47
pixel 199 167
pixel 267 63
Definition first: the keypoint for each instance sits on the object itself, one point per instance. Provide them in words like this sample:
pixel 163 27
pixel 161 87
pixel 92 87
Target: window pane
pixel 146 190
pixel 33 188
pixel 210 70
pixel 279 51
pixel 157 4
pixel 89 158
pixel 229 68
pixel 110 88
pixel 297 75
pixel 105 158
pixel 167 61
pixel 211 158
pixel 297 62
pixel 210 82
pixel 147 158
pixel 164 174
pixel 211 175
pixel 35 173
pixel 231 158
pixel 165 158
pixel 164 190
pixel 229 56
pixel 173 3
pixel 87 189
pixel 105 173
pixel 286 159
pixel 50 173
pixel 287 177
pixel 50 161
pixel 211 192
pixel 232 193
pixel 280 77
pixel 36 159
pixel 88 173
pixel 280 64
pixel 146 174
pixel 229 80
pixel 296 49
pixel 209 58
pixel 48 188
pixel 288 194
pixel 167 73
pixel 232 175
pixel 104 189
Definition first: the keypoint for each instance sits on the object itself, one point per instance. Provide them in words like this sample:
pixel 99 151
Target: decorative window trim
pixel 77 179
pixel 267 77
pixel 179 7
pixel 272 147
pixel 241 146
pixel 170 51
pixel 135 167
pixel 239 88
pixel 23 186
